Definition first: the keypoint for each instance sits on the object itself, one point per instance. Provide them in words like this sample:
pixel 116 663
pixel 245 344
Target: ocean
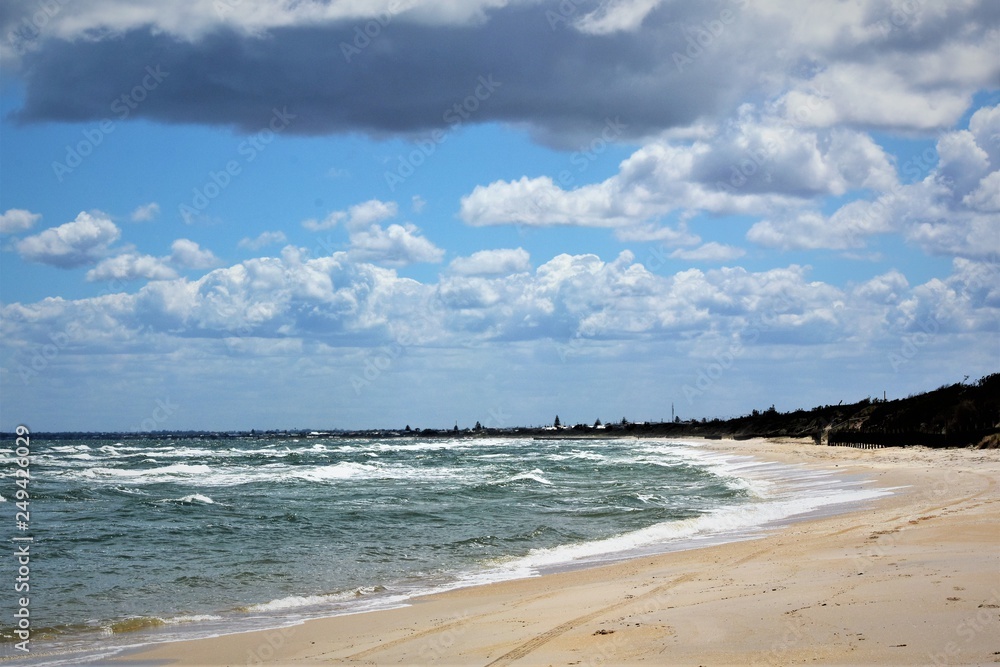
pixel 163 538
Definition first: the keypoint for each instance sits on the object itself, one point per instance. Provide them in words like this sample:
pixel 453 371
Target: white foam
pixel 296 601
pixel 722 521
pixel 148 475
pixel 192 618
pixel 71 448
pixel 534 475
pixel 342 470
pixel 192 499
pixel 130 491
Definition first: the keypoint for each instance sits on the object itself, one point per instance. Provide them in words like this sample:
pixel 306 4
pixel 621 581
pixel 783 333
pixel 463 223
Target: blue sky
pixel 246 216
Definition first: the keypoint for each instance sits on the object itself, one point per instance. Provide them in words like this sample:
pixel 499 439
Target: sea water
pixel 165 538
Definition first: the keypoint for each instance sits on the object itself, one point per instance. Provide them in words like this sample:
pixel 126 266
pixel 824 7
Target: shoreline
pixel 913 577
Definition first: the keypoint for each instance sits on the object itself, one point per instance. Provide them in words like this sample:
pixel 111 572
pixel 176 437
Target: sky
pixel 236 214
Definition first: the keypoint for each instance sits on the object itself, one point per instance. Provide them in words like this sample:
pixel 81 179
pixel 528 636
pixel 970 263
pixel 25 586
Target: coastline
pixel 912 578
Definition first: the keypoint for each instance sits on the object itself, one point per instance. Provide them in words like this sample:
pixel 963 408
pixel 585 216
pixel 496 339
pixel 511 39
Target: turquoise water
pixel 160 538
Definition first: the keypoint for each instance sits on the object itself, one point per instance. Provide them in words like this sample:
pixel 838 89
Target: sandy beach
pixel 913 578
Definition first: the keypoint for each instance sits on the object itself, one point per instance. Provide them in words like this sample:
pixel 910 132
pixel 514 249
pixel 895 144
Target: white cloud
pixel 330 221
pixel 888 288
pixel 985 127
pixel 881 97
pixel 190 255
pixel 262 240
pixel 986 197
pixel 619 16
pixel 397 245
pixel 709 252
pixel 369 241
pixel 370 213
pixel 15 220
pixel 575 314
pixel 83 241
pixel 951 211
pixel 146 212
pixel 357 216
pixel 131 266
pixel 752 165
pixel 252 17
pixel 492 263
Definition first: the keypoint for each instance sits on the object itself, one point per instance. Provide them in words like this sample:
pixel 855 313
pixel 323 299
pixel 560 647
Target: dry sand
pixel 910 579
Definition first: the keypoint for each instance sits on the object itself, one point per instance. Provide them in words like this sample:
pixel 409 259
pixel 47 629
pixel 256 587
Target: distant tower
pixel 671 413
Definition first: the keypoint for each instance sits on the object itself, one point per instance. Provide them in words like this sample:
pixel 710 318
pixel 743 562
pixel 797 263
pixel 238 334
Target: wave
pixel 129 491
pixel 296 601
pixel 578 455
pixel 149 474
pixel 71 448
pixel 140 623
pixel 534 476
pixel 192 499
pixel 342 470
pixel 727 521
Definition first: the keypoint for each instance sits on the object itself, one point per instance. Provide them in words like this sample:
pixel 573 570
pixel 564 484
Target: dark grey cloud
pixel 407 79
pixel 686 62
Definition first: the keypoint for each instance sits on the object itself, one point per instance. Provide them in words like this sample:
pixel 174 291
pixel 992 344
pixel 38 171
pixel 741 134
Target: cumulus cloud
pixel 146 212
pixel 754 164
pixel 83 241
pixel 492 263
pixel 358 216
pixel 262 240
pixel 15 220
pixel 396 245
pixel 132 266
pixel 341 301
pixel 190 255
pixel 952 210
pixel 709 252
